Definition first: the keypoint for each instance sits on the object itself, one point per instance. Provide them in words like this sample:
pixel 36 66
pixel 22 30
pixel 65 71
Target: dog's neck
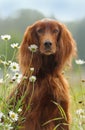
pixel 48 66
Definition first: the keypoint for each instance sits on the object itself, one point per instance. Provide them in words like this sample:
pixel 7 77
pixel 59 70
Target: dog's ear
pixel 24 53
pixel 30 36
pixel 67 45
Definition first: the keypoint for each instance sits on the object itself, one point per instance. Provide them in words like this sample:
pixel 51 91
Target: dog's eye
pixel 40 31
pixel 55 31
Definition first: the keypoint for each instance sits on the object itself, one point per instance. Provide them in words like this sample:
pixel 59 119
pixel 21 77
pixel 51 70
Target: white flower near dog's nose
pixel 13 116
pixel 32 79
pixel 33 48
pixel 5 37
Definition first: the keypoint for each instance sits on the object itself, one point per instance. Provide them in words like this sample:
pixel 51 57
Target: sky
pixel 64 10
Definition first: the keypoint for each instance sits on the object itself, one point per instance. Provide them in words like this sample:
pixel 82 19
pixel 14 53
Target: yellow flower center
pixel 12 116
pixel 14 67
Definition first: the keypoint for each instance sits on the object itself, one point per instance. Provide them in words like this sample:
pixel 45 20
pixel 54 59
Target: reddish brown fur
pixel 50 84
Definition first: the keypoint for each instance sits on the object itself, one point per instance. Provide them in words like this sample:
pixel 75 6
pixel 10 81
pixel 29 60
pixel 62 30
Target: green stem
pixel 13 55
pixel 29 65
pixel 81 87
pixel 31 60
pixel 31 96
pixel 6 51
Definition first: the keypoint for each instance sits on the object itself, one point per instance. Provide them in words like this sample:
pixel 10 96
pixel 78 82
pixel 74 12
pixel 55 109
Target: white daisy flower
pixel 32 79
pixel 19 110
pixel 5 37
pixel 32 69
pixel 14 66
pixel 80 111
pixel 80 62
pixel 17 75
pixel 17 78
pixel 15 45
pixel 14 116
pixel 33 48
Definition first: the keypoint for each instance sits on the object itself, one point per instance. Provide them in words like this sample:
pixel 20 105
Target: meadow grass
pixel 77 92
pixel 11 76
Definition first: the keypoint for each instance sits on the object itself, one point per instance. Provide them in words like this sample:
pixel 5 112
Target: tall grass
pixel 77 90
pixel 10 115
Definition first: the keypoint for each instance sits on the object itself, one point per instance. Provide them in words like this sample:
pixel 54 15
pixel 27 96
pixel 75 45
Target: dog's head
pixel 52 38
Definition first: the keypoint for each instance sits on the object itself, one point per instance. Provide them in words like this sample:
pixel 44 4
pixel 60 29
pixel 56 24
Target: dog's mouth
pixel 48 51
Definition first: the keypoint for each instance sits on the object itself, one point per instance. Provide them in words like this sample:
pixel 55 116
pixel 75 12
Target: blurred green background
pixel 15 26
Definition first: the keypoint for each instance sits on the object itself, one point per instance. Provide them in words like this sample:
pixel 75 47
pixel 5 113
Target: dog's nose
pixel 47 44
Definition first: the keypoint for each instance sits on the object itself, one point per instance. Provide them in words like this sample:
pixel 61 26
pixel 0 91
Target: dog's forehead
pixel 46 22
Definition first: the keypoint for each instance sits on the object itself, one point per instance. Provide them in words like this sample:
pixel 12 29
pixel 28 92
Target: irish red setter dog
pixel 49 101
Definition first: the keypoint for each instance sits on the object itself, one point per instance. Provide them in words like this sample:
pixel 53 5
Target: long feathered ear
pixel 67 45
pixel 24 52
